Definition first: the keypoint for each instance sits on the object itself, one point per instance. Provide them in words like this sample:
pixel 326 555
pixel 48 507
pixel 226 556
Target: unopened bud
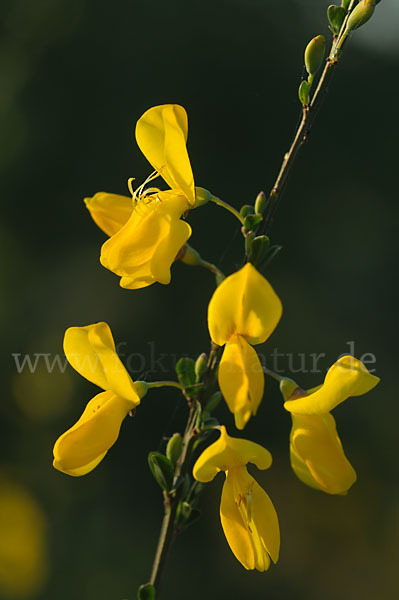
pixel 259 248
pixel 360 14
pixel 200 366
pixel 314 54
pixel 260 203
pixel 246 209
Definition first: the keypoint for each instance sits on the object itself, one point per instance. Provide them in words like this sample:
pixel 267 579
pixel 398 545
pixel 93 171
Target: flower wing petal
pixel 317 456
pixel 241 379
pixel 84 445
pixel 109 211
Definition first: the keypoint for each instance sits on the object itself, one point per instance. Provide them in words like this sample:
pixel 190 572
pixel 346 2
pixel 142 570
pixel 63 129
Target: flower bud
pixel 314 54
pixel 185 370
pixel 259 247
pixel 200 366
pixel 360 14
pixel 260 203
pixel 146 592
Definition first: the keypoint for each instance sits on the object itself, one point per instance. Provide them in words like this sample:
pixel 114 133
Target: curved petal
pixel 249 520
pixel 83 446
pixel 167 250
pixel 235 530
pixel 134 244
pixel 109 211
pixel 227 453
pixel 161 135
pixel 241 379
pixel 347 377
pixel 317 456
pixel 244 304
pixel 91 352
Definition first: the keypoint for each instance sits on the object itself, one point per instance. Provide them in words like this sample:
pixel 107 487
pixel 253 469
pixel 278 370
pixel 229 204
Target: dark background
pixel 76 76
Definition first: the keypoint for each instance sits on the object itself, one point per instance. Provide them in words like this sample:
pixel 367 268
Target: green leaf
pixel 174 447
pixel 246 210
pixel 303 93
pixel 252 222
pixel 345 4
pixel 146 592
pixel 185 370
pixel 336 16
pixel 259 248
pixel 213 402
pixel 162 469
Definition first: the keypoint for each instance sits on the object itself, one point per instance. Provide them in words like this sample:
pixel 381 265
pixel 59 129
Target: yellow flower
pixel 243 310
pixel 317 456
pixel 91 352
pixel 248 517
pixel 146 230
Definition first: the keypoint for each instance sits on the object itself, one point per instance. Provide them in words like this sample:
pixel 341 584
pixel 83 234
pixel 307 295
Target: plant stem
pixel 309 114
pixel 228 207
pixel 171 500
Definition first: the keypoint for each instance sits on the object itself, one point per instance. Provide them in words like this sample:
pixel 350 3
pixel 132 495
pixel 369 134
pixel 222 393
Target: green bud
pixel 246 210
pixel 360 14
pixel 173 448
pixel 303 93
pixel 336 16
pixel 185 370
pixel 252 222
pixel 314 54
pixel 345 4
pixel 259 247
pixel 213 402
pixel 260 203
pixel 141 388
pixel 162 469
pixel 248 241
pixel 200 366
pixel 146 592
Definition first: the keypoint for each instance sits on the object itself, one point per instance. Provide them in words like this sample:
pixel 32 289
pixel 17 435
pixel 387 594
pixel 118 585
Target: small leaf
pixel 213 402
pixel 246 210
pixel 252 222
pixel 259 247
pixel 303 93
pixel 146 592
pixel 345 4
pixel 174 447
pixel 185 369
pixel 162 469
pixel 336 16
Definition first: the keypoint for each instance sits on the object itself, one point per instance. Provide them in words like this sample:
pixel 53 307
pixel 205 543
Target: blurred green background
pixel 76 76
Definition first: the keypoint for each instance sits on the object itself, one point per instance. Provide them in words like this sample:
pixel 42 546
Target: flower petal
pixel 317 456
pixel 249 520
pixel 79 450
pixel 241 379
pixel 228 452
pixel 244 304
pixel 235 530
pixel 161 135
pixel 109 211
pixel 347 377
pixel 91 352
pixel 166 251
